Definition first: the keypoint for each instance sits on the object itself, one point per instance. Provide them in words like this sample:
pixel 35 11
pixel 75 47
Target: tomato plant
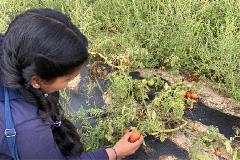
pixel 129 105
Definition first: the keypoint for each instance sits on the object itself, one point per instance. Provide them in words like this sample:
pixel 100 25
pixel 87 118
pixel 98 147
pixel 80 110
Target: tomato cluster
pixel 191 95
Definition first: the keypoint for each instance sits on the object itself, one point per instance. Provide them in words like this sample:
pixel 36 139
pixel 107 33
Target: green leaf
pixel 162 137
pixel 228 147
pixel 154 115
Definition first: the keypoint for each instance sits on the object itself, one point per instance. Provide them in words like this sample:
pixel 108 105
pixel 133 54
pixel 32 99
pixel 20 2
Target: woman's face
pixel 60 82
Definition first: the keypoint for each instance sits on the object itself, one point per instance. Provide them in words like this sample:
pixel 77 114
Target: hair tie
pixel 57 123
pixel 45 95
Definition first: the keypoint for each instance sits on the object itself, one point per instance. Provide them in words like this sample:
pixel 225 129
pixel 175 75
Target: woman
pixel 40 53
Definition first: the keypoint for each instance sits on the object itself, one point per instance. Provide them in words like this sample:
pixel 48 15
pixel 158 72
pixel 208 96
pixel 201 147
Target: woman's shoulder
pixel 22 111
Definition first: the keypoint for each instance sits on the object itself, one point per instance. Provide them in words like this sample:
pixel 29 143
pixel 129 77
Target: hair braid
pixel 35 44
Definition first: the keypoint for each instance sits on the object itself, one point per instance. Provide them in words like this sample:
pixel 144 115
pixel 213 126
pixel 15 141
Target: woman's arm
pixel 34 137
pixel 35 141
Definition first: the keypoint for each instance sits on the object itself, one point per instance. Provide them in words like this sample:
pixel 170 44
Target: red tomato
pixel 187 94
pixel 194 96
pixel 217 152
pixel 134 136
pixel 191 95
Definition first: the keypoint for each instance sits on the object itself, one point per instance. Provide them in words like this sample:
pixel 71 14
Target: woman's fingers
pixel 139 142
pixel 126 136
pixel 126 148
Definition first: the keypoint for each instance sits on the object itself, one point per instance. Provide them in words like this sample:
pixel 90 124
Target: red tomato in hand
pixel 134 137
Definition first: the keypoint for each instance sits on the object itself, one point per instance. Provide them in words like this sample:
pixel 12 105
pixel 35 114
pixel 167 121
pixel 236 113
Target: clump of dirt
pixel 97 69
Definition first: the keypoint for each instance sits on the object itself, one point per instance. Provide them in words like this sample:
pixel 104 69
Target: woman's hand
pixel 124 148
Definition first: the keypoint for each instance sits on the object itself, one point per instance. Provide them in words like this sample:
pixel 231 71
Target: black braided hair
pixel 44 42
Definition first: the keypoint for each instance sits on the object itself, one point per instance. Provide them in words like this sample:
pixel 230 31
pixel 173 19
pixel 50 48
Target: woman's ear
pixel 36 82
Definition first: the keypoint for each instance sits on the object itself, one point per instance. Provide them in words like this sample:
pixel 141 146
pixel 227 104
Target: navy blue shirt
pixel 34 137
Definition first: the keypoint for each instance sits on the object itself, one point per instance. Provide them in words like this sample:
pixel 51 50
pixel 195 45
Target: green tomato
pixel 144 82
pixel 156 102
pixel 151 82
